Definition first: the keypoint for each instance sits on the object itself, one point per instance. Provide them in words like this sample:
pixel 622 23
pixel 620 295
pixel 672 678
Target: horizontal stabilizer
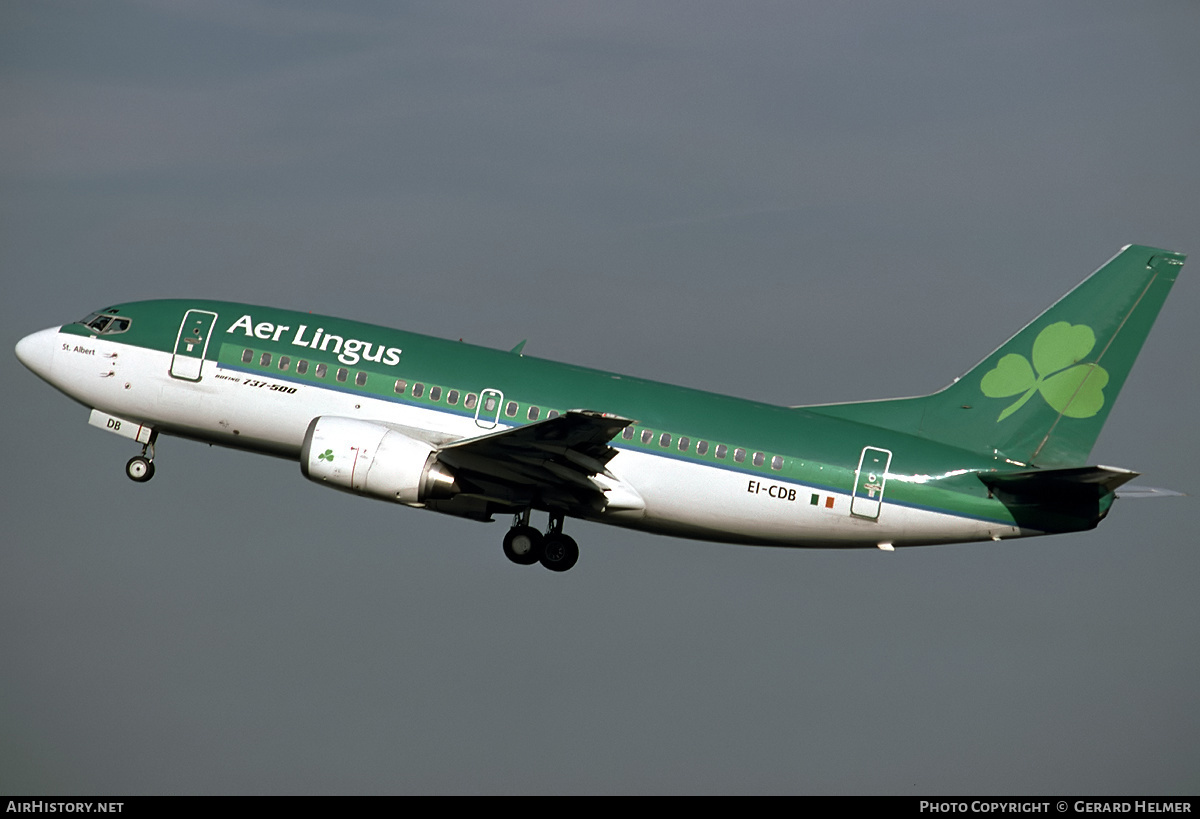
pixel 1061 482
pixel 1132 491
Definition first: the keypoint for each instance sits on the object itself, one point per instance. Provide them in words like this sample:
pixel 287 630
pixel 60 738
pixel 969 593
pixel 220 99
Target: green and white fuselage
pixel 476 432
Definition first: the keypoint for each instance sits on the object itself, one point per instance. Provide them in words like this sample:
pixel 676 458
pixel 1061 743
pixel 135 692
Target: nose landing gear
pixel 140 468
pixel 525 545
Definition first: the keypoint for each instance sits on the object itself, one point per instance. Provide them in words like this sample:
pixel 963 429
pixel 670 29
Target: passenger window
pixel 360 378
pixel 664 440
pixel 647 436
pixel 247 356
pixel 321 370
pixel 265 360
pixel 759 459
pixel 284 362
pixel 341 374
pixel 452 397
pixel 627 433
pixel 533 413
pixel 435 393
pixel 739 454
pixel 510 409
pixel 777 462
pixel 301 367
pixel 489 404
pixel 469 403
pixel 401 386
pixel 702 448
pixel 552 414
pixel 418 390
pixel 684 443
pixel 721 450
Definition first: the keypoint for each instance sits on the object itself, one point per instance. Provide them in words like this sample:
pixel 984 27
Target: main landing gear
pixel 525 545
pixel 140 468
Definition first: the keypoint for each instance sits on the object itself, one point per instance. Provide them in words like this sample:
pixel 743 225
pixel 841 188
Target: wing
pixel 558 463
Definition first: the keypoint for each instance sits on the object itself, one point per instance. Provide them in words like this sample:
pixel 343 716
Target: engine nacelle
pixel 368 458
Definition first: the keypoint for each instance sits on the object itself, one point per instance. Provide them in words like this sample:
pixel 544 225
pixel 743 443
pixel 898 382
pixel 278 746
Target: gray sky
pixel 790 202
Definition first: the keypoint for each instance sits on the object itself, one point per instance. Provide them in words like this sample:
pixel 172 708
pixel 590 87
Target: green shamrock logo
pixel 1075 390
pixel 327 455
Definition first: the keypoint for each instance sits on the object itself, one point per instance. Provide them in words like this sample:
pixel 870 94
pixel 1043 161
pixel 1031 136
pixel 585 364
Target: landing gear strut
pixel 525 545
pixel 559 552
pixel 140 468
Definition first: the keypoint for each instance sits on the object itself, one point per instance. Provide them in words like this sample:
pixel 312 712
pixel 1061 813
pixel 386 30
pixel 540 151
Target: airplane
pixel 1001 452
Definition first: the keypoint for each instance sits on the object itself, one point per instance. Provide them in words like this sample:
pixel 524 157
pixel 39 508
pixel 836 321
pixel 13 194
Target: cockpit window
pixel 105 323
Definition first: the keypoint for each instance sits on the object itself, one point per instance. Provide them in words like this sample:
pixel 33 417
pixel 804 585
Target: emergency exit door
pixel 487 414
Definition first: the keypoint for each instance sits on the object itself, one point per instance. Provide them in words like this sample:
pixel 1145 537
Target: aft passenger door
pixel 191 344
pixel 869 481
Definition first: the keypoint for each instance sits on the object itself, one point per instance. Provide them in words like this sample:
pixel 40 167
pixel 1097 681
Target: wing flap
pixel 550 463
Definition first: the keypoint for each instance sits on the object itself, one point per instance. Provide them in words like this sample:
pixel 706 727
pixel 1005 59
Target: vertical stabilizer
pixel 1043 396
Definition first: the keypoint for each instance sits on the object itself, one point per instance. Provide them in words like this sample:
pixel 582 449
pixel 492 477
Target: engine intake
pixel 369 458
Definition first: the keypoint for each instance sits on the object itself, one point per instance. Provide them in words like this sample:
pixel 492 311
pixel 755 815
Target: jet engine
pixel 369 458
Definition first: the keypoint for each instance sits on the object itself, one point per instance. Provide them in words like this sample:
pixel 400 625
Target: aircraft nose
pixel 36 351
